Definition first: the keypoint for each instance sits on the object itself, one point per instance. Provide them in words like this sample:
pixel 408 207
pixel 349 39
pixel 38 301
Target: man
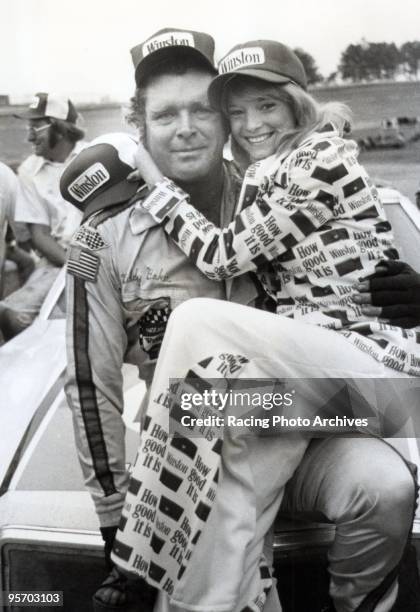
pixel 8 186
pixel 126 277
pixel 12 235
pixel 55 136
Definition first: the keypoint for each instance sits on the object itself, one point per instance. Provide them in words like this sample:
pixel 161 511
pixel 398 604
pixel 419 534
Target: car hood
pixel 30 367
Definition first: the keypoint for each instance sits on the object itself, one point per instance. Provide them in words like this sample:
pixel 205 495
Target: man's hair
pixel 309 115
pixel 169 67
pixel 69 131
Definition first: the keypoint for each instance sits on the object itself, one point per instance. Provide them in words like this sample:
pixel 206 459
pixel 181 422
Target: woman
pixel 312 227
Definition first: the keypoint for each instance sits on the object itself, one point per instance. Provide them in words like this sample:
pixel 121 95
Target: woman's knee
pixel 199 314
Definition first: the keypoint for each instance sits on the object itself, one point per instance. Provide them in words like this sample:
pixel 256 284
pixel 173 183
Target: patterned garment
pixel 312 226
pixel 173 488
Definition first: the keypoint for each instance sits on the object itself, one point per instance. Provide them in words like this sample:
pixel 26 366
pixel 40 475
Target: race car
pixel 49 532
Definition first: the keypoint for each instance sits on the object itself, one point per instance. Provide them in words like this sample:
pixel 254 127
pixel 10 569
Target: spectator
pixel 55 136
pixel 12 234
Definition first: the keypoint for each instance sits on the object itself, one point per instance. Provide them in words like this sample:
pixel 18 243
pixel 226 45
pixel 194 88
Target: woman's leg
pixel 251 344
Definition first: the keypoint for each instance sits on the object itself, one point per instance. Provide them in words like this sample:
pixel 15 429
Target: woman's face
pixel 258 119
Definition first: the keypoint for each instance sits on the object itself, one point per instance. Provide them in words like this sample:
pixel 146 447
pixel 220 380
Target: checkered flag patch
pixel 152 327
pixel 87 236
pixel 153 320
pixel 83 264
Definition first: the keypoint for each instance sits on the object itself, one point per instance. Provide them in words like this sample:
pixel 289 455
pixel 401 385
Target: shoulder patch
pixel 83 264
pixel 89 237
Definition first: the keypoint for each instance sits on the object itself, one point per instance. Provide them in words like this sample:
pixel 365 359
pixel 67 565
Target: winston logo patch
pixel 169 39
pixel 89 181
pixel 241 58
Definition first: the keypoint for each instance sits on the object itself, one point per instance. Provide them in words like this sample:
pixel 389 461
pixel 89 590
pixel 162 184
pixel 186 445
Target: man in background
pixel 56 140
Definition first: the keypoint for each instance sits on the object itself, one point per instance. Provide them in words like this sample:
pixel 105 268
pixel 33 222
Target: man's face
pixel 183 134
pixel 39 135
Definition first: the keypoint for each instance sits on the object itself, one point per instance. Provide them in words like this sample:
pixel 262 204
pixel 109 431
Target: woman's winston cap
pixel 267 60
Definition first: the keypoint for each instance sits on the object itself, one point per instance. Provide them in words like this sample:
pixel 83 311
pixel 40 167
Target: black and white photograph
pixel 209 306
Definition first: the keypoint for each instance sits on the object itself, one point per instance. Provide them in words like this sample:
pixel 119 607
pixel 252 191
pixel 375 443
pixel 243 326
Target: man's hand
pixel 392 294
pixel 108 536
pixel 22 259
pixel 47 245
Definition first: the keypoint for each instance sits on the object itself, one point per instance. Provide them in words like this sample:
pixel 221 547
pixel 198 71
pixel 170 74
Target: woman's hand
pixel 147 169
pixel 392 294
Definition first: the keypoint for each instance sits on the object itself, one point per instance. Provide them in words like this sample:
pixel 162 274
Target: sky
pixel 80 48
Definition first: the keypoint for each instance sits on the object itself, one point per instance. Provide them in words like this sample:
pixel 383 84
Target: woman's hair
pixel 309 114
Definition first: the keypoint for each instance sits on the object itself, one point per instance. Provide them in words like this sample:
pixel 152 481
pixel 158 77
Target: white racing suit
pixel 123 281
pixel 320 212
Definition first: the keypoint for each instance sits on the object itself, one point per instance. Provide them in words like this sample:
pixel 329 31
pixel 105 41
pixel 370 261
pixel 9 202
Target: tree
pixel 310 66
pixel 391 59
pixel 410 56
pixel 382 60
pixel 353 63
pixel 332 77
pixel 369 61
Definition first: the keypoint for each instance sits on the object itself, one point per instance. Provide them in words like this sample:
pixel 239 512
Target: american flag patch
pixel 83 264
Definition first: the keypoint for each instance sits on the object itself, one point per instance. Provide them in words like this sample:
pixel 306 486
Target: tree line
pixel 367 61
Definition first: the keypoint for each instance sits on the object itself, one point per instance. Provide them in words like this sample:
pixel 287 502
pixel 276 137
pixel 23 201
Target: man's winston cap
pixel 45 105
pixel 267 60
pixel 171 43
pixel 96 178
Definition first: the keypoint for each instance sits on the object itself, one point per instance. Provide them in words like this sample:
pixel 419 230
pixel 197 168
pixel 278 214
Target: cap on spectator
pixel 267 60
pixel 96 178
pixel 171 42
pixel 46 105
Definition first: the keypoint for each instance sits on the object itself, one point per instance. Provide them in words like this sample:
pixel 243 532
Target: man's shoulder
pixel 30 166
pixel 103 239
pixel 120 215
pixel 109 218
pixel 7 176
pixel 104 227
